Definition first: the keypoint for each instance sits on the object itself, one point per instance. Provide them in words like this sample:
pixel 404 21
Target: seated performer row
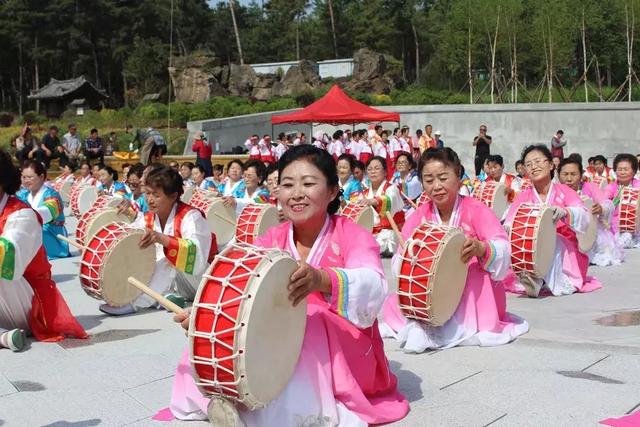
pixel 29 300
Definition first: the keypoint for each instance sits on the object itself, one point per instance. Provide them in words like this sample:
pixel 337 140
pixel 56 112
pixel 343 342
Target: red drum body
pixel 432 275
pixel 244 335
pixel 254 221
pixel 629 219
pixel 361 215
pixel 533 239
pixel 491 193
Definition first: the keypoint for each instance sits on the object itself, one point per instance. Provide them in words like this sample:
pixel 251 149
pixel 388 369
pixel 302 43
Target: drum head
pixel 268 219
pixel 126 259
pixel 449 279
pixel 223 230
pixel 187 195
pixel 105 217
pixel 587 239
pixel 500 202
pixel 365 220
pixel 86 199
pixel 545 243
pixel 274 331
pixel 65 191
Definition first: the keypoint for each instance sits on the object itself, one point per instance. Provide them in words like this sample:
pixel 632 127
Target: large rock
pixel 262 86
pixel 241 80
pixel 194 79
pixel 299 78
pixel 368 65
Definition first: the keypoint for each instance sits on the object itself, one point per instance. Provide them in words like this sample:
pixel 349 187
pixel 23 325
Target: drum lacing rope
pixel 224 388
pixel 253 216
pixel 420 313
pixel 98 256
pixel 521 226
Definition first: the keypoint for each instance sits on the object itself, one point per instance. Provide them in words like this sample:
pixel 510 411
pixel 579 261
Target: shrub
pixel 305 98
pixel 32 118
pixel 5 119
pixel 381 99
pixel 152 111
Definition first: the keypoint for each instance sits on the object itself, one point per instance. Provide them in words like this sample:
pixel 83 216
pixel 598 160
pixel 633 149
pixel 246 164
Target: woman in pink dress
pixel 481 317
pixel 342 376
pixel 625 166
pixel 568 272
pixel 606 250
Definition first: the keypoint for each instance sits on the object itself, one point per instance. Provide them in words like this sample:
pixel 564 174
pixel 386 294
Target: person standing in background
pixel 482 142
pixel 557 142
pixel 203 151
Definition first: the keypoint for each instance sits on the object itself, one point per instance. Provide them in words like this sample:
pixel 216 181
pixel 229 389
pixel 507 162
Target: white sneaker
pixel 117 311
pixel 223 413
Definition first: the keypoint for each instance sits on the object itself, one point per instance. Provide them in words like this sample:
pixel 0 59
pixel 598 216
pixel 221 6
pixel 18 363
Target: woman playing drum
pixel 625 166
pixel 606 250
pixel 47 202
pixel 109 183
pixel 255 172
pixel 134 181
pixel 351 188
pixel 234 184
pixel 407 180
pixel 481 317
pixel 29 299
pixel 85 177
pixel 568 272
pixel 342 376
pixel 199 180
pixel 181 237
pixel 383 197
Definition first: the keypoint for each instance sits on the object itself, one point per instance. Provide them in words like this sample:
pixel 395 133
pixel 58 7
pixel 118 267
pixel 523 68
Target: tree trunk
pixel 96 66
pixel 470 72
pixel 36 70
pixel 515 68
pixel 415 38
pixel 630 36
pixel 297 40
pixel 124 89
pixel 237 33
pixel 584 58
pixel 550 69
pixel 20 76
pixel 333 28
pixel 493 46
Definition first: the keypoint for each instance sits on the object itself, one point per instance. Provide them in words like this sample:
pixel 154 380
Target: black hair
pixel 94 130
pixel 273 167
pixel 496 158
pixel 519 162
pixel 626 157
pixel 419 132
pixel 68 163
pixel 444 155
pixel 85 163
pixel 320 159
pixel 576 156
pixel 53 127
pixel 560 131
pixel 395 130
pixel 542 149
pixel 137 170
pixel 357 164
pixel 187 164
pixel 237 162
pixel 381 160
pixel 218 168
pixel 600 158
pixel 9 174
pixel 347 157
pixel 199 168
pixel 571 160
pixel 590 159
pixel 37 167
pixel 412 163
pixel 110 171
pixel 260 168
pixel 338 134
pixel 167 179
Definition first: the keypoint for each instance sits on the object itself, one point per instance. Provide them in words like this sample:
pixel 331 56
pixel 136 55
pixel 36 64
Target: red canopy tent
pixel 336 108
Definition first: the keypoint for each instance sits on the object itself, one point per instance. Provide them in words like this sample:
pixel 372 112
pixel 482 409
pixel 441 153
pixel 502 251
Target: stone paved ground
pixel 569 370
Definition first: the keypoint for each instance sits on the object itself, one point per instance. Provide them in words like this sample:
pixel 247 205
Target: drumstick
pixel 156 296
pixel 411 202
pixel 395 228
pixel 71 242
pixel 224 218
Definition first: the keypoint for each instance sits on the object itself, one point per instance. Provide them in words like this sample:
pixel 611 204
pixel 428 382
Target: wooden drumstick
pixel 71 242
pixel 411 202
pixel 156 296
pixel 395 228
pixel 224 218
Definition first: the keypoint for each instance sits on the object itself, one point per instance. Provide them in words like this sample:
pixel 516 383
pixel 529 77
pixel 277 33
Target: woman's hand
pixel 124 206
pixel 151 237
pixel 472 247
pixel 183 318
pixel 558 213
pixel 305 280
pixel 596 209
pixel 229 201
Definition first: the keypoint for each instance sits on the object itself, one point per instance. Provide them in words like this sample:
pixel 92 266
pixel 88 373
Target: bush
pixel 32 118
pixel 381 99
pixel 152 111
pixel 5 119
pixel 305 98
